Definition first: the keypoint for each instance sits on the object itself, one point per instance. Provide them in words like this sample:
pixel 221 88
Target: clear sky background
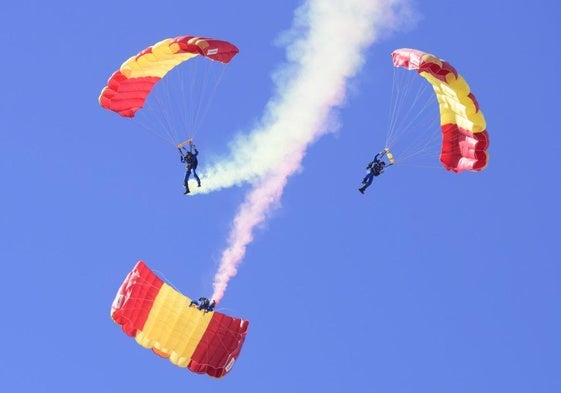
pixel 431 282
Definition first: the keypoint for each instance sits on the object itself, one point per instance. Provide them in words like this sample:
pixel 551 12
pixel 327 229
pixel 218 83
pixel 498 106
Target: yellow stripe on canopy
pixel 157 63
pixel 456 106
pixel 173 328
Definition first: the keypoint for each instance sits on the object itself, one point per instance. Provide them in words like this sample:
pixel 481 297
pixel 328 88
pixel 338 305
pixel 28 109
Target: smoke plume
pixel 325 48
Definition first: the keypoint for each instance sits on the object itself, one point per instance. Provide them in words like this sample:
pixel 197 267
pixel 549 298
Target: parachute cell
pixel 128 87
pixel 464 135
pixel 160 318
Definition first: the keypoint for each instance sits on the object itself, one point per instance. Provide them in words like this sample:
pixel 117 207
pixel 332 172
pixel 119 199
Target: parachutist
pixel 203 304
pixel 191 162
pixel 375 168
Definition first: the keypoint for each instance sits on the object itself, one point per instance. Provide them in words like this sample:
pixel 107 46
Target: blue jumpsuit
pixel 375 168
pixel 191 163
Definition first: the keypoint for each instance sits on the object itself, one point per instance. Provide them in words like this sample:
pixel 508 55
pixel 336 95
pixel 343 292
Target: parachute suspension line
pixel 159 113
pixel 213 73
pixel 148 125
pixel 191 89
pixel 164 106
pixel 400 108
pixel 176 108
pixel 186 101
pixel 422 130
pixel 413 133
pixel 160 274
pixel 184 93
pixel 393 111
pixel 409 103
pixel 194 93
pixel 199 88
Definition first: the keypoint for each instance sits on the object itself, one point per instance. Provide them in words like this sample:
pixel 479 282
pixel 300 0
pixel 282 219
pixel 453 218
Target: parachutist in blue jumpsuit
pixel 375 168
pixel 190 160
pixel 203 304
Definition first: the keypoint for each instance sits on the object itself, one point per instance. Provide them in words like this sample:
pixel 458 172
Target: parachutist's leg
pixel 197 178
pixel 366 182
pixel 186 181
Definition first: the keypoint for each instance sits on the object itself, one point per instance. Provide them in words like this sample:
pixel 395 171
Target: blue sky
pixel 431 282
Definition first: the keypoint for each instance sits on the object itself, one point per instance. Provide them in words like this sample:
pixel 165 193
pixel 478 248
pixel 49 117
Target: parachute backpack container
pixel 161 319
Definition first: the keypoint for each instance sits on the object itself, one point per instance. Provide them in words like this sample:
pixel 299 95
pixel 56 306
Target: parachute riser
pixel 185 143
pixel 389 155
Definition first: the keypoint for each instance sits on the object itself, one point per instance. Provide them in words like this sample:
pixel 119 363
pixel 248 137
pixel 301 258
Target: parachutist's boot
pixel 362 189
pixel 199 183
pixel 186 189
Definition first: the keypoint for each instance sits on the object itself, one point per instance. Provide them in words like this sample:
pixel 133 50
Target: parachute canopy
pixel 160 318
pixel 464 135
pixel 128 87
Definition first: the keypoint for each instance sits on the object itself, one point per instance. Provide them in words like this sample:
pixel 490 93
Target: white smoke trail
pixel 328 39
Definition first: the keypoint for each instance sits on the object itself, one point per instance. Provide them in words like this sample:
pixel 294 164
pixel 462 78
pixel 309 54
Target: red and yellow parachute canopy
pixel 464 135
pixel 160 318
pixel 128 87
